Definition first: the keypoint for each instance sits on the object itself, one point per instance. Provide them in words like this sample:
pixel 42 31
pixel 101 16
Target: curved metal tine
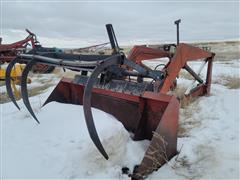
pixel 87 102
pixel 8 81
pixel 24 88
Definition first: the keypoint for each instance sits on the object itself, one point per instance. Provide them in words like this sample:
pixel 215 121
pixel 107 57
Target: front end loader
pixel 137 95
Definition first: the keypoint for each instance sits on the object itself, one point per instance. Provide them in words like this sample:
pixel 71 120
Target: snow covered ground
pixel 210 145
pixel 60 146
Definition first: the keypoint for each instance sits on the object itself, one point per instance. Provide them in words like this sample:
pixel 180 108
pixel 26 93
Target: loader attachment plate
pixel 142 112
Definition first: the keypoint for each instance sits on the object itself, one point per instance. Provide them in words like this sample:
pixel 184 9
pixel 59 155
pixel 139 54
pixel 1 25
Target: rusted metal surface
pixel 184 53
pixel 111 88
pixel 140 53
pixel 115 103
pixel 9 51
pixel 163 145
pixel 149 113
pixel 154 114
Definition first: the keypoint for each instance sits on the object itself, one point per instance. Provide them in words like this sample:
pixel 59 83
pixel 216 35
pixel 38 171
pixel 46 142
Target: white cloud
pixel 78 22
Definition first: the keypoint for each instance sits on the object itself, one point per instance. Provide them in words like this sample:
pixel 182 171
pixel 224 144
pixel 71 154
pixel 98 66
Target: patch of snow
pixel 211 147
pixel 60 147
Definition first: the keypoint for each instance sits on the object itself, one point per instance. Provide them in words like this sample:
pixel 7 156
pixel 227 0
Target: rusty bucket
pixel 154 116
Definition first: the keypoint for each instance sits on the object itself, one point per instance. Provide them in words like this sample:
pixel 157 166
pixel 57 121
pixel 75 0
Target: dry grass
pixel 183 167
pixel 182 131
pixel 37 90
pixel 226 56
pixel 2 83
pixel 181 162
pixel 225 51
pixel 185 127
pixel 184 102
pixel 179 91
pixel 70 74
pixel 186 75
pixel 232 82
pixel 31 92
pixel 187 119
pixel 45 81
pixel 4 98
pixel 156 154
pixel 191 168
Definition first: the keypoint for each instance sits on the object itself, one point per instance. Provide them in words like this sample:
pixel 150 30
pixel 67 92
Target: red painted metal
pixel 163 145
pixel 184 53
pixel 9 51
pixel 140 53
pixel 154 115
pixel 149 113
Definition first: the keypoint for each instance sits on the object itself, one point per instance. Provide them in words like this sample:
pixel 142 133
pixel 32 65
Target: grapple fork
pixel 8 81
pixel 114 87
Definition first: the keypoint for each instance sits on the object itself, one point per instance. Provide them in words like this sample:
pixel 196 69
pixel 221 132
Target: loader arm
pixel 141 53
pixel 184 53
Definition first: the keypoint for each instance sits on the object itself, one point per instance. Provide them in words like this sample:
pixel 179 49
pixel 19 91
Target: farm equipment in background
pixel 9 51
pixel 120 86
pixel 15 76
pixel 91 49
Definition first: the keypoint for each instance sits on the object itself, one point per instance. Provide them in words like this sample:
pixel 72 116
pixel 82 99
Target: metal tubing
pixel 177 22
pixel 196 76
pixel 112 38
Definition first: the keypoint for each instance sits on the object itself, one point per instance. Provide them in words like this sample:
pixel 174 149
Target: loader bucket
pixel 146 114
